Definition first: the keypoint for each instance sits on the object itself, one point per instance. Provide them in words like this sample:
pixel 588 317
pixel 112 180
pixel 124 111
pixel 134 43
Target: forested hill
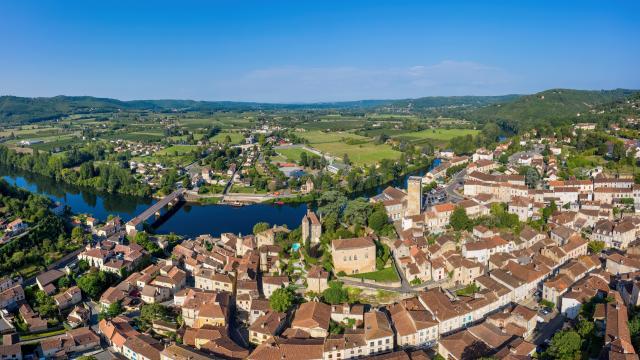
pixel 553 106
pixel 433 102
pixel 512 112
pixel 17 110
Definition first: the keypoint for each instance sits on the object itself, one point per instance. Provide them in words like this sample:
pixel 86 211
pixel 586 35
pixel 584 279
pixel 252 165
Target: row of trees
pixel 103 176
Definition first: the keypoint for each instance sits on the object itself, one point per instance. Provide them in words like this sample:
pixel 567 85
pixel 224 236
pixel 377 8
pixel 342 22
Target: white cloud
pixel 305 84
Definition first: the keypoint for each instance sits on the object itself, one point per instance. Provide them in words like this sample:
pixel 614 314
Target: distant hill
pixel 431 102
pixel 551 107
pixel 513 112
pixel 15 109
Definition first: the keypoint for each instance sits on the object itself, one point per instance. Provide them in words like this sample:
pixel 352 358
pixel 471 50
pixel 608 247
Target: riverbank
pixel 191 220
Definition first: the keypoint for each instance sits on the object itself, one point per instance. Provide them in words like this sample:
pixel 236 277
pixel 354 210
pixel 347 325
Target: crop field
pixel 341 124
pixel 233 121
pixel 59 143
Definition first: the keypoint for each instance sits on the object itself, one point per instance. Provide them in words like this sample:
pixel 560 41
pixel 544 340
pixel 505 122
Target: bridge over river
pixel 156 210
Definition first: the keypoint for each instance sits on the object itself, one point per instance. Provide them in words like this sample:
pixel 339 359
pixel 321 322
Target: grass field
pixel 136 136
pixel 318 137
pixel 177 150
pixel 436 134
pixel 386 274
pixel 293 154
pixel 236 138
pixel 364 152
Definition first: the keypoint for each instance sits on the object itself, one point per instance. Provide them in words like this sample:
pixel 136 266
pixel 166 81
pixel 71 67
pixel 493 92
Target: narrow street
pixel 453 184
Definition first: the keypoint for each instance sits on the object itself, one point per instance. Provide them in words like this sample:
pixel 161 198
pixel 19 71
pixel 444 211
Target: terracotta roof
pixel 281 348
pixel 311 315
pixel 144 345
pixel 376 325
pixel 353 243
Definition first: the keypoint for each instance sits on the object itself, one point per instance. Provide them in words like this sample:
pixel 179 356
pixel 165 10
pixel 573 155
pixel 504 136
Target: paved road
pixel 456 180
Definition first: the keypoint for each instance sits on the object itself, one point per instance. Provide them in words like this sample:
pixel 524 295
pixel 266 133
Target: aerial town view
pixel 320 180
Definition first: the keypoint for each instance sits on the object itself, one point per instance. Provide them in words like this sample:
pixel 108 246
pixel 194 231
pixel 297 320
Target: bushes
pixel 335 293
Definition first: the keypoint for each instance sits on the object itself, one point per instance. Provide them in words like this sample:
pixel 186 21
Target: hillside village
pixel 494 265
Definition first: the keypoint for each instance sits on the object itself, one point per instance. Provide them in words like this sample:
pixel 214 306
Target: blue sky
pixel 304 51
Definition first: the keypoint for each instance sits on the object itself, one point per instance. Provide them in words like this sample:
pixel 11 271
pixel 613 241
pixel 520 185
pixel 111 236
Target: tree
pixel 281 300
pixel 585 328
pixel 94 283
pixel 77 234
pixel 459 219
pixel 565 345
pixel 335 293
pixel 377 220
pixel 356 212
pixel 64 282
pixel 596 247
pixel 531 176
pixel 345 159
pixel 113 310
pixel 45 304
pixel 260 227
pixel 150 312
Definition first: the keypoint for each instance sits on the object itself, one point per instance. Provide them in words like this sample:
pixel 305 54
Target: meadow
pixel 177 150
pixel 236 138
pixel 361 150
pixel 436 134
pixel 293 154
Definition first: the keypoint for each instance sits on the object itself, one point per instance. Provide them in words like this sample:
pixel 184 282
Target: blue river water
pixel 190 220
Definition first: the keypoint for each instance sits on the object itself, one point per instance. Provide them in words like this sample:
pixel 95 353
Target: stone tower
pixel 414 196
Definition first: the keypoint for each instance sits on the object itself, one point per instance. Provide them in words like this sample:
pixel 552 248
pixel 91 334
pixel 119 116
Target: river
pixel 190 220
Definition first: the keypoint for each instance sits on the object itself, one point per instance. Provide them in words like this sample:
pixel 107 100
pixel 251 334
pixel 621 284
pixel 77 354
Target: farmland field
pixel 362 150
pixel 436 134
pixel 361 154
pixel 236 138
pixel 293 154
pixel 318 137
pixel 177 150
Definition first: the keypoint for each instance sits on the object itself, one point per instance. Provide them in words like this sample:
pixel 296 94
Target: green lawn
pixel 386 274
pixel 177 150
pixel 293 154
pixel 236 138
